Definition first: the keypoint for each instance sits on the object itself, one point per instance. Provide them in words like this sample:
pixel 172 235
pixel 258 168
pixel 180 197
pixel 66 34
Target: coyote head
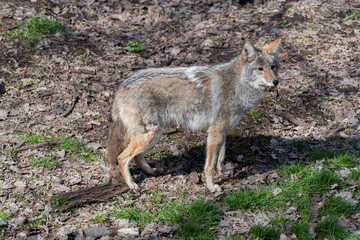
pixel 260 66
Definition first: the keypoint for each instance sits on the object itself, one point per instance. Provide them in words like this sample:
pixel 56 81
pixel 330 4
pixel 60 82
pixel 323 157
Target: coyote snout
pixel 213 97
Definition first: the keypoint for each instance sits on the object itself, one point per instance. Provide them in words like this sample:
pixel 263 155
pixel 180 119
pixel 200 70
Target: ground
pixel 312 123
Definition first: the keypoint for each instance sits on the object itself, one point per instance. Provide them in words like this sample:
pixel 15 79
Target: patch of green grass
pixel 59 201
pixel 49 162
pixel 341 160
pixel 191 230
pixel 319 182
pixel 249 199
pixel 96 116
pixel 84 57
pixel 355 174
pixel 337 206
pixel 134 47
pixel 298 192
pixel 355 14
pixel 32 138
pixel 4 215
pixel 330 228
pixel 195 218
pixel 297 169
pixel 320 154
pixel 139 216
pixel 266 233
pixel 234 134
pixel 101 218
pixel 19 85
pixel 71 145
pixel 34 29
pixel 301 230
pixel 256 113
pixel 159 155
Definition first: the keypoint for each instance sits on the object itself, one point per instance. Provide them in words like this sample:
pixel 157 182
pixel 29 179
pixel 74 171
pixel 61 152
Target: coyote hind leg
pixel 137 146
pixel 141 162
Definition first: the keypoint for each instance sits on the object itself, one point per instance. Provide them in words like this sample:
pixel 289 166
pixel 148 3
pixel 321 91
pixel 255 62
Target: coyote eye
pixel 260 69
pixel 272 67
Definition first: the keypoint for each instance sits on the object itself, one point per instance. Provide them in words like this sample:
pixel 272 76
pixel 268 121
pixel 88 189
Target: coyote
pixel 213 97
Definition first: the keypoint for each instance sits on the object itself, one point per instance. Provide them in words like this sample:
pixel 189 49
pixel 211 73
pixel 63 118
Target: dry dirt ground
pixel 318 100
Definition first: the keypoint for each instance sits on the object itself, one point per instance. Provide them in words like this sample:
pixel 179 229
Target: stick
pixel 292 119
pixel 75 100
pixel 89 195
pixel 39 145
pixel 83 70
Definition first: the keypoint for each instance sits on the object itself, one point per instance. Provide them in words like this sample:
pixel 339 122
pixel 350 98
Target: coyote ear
pixel 273 47
pixel 248 51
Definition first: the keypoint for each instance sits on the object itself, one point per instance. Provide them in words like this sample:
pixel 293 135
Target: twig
pixel 292 119
pixel 83 70
pixel 39 145
pixel 75 100
pixel 89 195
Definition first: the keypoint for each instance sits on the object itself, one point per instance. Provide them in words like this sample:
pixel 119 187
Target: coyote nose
pixel 275 82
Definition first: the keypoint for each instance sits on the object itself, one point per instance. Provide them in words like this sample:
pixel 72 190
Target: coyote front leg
pixel 215 141
pixel 220 162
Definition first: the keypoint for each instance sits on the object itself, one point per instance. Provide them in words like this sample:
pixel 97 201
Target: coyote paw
pixel 133 186
pixel 151 171
pixel 214 188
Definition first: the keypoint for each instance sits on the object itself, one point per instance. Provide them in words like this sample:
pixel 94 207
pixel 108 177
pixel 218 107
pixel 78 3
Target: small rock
pixel 240 158
pixel 13 207
pixel 276 191
pixel 3 114
pixel 96 232
pixel 134 232
pixel 344 172
pixel 95 123
pixel 346 223
pixel 94 146
pixel 48 209
pixel 175 51
pixel 262 219
pixel 20 221
pixel 194 177
pixel 166 229
pixel 39 206
pixel 20 186
pixel 106 94
pixel 207 43
pixel 58 111
pixel 60 154
pixel 56 10
pixel 3 223
pixel 284 237
pixel 289 210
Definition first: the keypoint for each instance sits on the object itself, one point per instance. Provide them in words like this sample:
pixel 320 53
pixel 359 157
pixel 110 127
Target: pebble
pixel 3 114
pixel 166 229
pixel 39 206
pixel 48 209
pixel 13 207
pixel 129 232
pixel 20 221
pixel 3 223
pixel 194 177
pixel 96 232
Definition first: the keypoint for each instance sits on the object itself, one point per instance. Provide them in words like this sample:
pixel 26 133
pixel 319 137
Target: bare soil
pixel 318 100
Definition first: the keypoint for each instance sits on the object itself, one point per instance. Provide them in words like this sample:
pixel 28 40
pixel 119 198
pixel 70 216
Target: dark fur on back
pixel 116 142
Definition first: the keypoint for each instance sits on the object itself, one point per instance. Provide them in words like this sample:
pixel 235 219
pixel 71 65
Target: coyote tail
pixel 116 141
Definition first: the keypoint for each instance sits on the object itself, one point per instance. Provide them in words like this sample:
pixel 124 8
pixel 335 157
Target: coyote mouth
pixel 269 89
